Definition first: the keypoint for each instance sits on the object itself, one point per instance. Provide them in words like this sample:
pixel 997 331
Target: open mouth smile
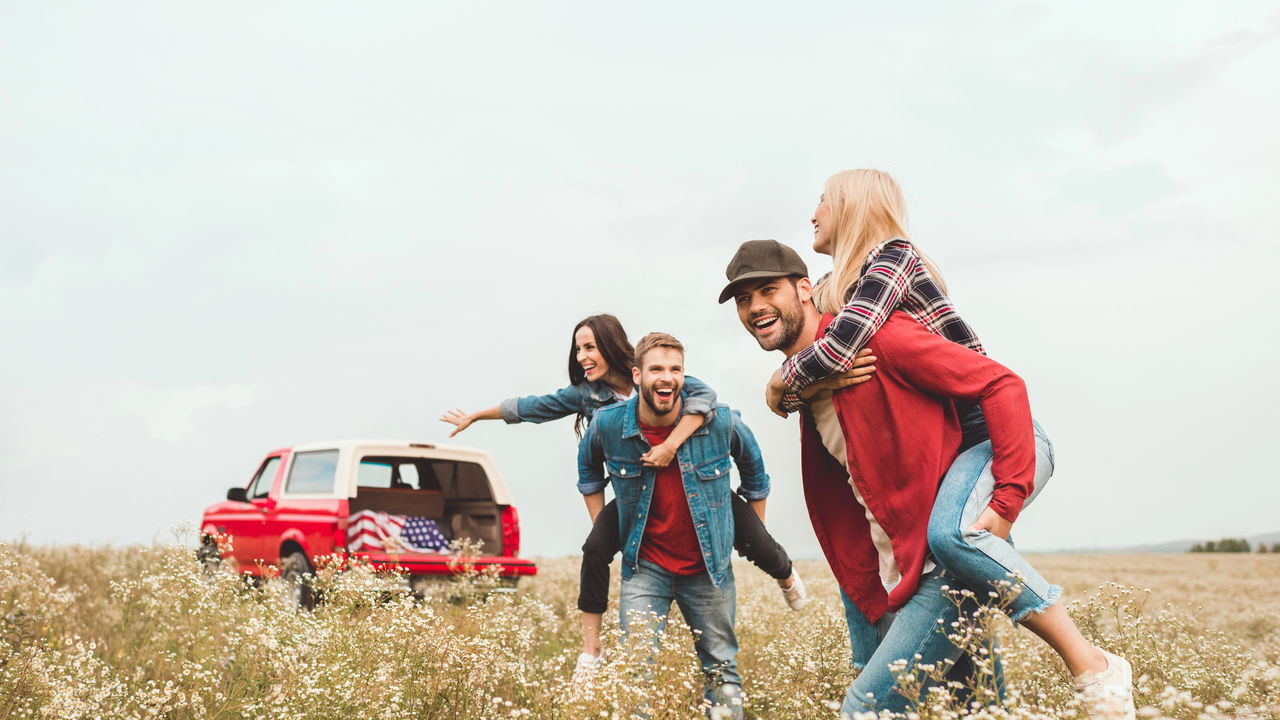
pixel 764 323
pixel 664 393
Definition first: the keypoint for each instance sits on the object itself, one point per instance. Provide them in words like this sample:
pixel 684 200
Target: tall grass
pixel 148 633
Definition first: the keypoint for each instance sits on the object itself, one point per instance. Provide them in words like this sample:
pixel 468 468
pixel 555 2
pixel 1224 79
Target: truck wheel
pixel 294 570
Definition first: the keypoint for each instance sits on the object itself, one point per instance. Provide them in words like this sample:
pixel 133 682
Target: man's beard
pixel 649 398
pixel 790 323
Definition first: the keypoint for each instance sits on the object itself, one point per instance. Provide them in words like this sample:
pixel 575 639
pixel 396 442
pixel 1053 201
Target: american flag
pixel 369 530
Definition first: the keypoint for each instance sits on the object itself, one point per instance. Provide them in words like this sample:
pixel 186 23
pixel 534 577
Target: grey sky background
pixel 226 228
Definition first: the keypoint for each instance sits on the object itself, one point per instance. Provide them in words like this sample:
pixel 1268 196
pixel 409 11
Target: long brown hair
pixel 614 346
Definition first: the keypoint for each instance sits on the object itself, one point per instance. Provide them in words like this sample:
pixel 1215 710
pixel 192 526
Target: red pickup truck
pixel 395 504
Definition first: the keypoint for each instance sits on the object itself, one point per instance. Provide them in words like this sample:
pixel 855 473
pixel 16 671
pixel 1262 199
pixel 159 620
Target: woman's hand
pixel 459 418
pixel 773 393
pixel 991 521
pixel 658 456
pixel 863 367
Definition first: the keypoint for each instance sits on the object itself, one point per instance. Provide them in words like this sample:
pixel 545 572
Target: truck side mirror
pixel 238 494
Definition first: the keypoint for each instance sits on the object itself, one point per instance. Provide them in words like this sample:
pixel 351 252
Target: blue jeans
pixel 707 609
pixel 980 559
pixel 864 636
pixel 918 635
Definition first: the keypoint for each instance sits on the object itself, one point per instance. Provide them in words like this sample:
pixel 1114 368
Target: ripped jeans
pixel 980 559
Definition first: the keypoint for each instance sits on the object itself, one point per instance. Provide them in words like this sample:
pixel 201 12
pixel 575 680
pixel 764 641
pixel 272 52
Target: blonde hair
pixel 867 209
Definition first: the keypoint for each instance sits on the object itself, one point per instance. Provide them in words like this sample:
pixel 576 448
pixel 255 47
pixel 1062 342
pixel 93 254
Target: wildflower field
pixel 146 632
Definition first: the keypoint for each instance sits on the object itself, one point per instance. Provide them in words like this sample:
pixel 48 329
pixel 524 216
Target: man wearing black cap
pixel 872 457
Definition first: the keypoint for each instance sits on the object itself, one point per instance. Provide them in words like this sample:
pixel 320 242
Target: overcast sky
pixel 231 227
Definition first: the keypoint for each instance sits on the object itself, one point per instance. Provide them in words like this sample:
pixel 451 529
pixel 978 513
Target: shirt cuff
pixel 696 407
pixel 790 370
pixel 750 495
pixel 791 402
pixel 592 487
pixel 1007 504
pixel 510 410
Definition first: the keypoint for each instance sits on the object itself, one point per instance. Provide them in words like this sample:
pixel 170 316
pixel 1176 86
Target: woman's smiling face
pixel 822 226
pixel 588 354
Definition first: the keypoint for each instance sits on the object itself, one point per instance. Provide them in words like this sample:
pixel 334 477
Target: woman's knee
pixel 601 546
pixel 946 539
pixel 604 539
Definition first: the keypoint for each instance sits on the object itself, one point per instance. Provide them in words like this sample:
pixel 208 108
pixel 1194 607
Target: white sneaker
pixel 586 666
pixel 1108 694
pixel 795 594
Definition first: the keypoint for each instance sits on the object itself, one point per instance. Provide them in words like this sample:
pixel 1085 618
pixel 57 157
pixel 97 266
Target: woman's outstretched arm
pixel 530 408
pixel 463 420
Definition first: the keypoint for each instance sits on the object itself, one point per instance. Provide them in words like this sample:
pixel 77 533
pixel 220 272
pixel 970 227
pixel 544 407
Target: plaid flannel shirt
pixel 893 278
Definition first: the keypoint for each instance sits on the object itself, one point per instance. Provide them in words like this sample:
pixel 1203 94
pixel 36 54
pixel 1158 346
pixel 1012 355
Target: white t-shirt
pixel 824 416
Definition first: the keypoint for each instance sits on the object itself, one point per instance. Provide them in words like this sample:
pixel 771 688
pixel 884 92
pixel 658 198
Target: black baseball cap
pixel 762 259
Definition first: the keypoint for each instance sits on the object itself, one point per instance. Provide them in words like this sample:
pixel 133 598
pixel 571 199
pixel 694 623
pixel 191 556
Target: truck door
pixel 293 506
pixel 249 527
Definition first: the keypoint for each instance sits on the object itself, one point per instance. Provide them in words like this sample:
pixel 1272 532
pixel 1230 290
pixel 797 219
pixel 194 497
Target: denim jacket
pixel 613 445
pixel 587 397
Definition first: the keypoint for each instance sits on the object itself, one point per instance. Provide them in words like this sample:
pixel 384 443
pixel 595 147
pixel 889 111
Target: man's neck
pixel 808 333
pixel 647 416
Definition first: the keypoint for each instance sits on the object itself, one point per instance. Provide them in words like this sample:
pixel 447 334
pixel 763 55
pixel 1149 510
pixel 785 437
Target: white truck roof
pixel 351 451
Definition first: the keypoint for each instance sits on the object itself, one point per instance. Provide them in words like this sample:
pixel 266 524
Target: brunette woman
pixel 600 361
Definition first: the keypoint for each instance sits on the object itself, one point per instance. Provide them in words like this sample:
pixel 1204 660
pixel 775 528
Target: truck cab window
pixel 389 472
pixel 312 472
pixel 374 474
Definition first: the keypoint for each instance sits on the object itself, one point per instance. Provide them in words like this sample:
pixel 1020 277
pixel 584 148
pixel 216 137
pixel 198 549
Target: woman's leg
pixel 917 636
pixel 984 561
pixel 752 540
pixel 602 544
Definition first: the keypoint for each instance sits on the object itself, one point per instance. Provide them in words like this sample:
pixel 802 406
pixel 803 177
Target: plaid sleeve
pixel 880 289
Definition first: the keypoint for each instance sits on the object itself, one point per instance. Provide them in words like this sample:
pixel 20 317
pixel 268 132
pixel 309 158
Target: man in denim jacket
pixel 675 522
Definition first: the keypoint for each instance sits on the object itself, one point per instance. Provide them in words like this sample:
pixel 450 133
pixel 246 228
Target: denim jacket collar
pixel 600 392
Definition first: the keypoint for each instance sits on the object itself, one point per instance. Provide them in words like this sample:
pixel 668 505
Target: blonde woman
pixel 860 222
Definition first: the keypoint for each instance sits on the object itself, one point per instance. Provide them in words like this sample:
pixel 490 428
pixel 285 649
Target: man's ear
pixel 804 289
pixel 635 375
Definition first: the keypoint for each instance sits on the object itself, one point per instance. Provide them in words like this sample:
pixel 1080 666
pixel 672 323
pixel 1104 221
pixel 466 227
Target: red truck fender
pixel 296 537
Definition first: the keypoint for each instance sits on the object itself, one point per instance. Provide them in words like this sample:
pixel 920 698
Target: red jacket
pixel 901 435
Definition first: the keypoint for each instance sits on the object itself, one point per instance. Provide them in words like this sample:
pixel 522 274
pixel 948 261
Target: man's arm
pixel 754 481
pixel 941 367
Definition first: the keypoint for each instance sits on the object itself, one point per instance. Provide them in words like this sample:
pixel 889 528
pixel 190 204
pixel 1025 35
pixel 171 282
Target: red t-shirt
pixel 669 540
